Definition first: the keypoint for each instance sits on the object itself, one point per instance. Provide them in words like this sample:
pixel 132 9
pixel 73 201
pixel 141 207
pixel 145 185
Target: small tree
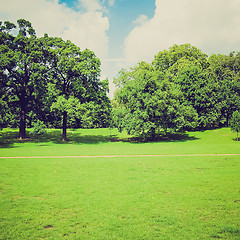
pixel 38 129
pixel 235 122
pixel 67 107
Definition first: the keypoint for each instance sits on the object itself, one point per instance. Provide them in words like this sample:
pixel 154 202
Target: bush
pixel 38 128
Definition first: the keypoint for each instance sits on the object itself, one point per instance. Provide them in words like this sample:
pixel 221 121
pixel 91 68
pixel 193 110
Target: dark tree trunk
pixel 22 127
pixel 64 133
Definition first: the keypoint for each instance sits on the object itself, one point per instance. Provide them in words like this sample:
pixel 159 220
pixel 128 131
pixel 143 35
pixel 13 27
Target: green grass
pixel 96 142
pixel 121 197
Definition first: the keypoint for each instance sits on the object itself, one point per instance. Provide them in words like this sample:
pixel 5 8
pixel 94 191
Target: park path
pixel 126 156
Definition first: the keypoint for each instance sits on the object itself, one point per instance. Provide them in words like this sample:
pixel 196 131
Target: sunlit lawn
pixel 168 197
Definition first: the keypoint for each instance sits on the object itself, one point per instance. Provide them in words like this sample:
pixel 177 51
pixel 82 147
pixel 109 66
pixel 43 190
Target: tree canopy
pixel 148 103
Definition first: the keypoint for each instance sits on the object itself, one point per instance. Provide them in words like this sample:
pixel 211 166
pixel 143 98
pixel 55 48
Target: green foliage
pixel 235 122
pixel 147 102
pixel 75 87
pixel 70 105
pixel 38 128
pixel 200 90
pixel 168 61
pixel 38 74
pixel 210 85
pixel 227 72
pixel 58 83
pixel 3 107
pixel 22 71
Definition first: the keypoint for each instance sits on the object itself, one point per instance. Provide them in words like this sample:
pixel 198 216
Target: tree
pixel 200 90
pixel 149 103
pixel 74 76
pixel 38 128
pixel 208 85
pixel 168 61
pixel 21 68
pixel 235 122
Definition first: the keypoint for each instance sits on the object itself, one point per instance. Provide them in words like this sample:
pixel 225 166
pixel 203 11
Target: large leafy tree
pixel 200 90
pixel 146 102
pixel 21 68
pixel 74 77
pixel 190 69
pixel 210 85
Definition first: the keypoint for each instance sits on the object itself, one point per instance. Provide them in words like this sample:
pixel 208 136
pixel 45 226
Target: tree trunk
pixel 22 127
pixel 64 133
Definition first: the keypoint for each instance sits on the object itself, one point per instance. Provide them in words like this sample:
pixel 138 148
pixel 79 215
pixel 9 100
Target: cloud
pixel 82 28
pixel 211 25
pixel 141 20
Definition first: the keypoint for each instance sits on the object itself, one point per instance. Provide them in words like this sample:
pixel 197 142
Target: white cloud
pixel 85 29
pixel 211 25
pixel 141 20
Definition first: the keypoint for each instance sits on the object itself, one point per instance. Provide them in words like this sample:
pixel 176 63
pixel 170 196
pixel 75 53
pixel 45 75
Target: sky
pixel 123 32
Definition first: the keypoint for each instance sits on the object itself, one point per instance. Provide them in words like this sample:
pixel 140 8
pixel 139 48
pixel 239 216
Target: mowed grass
pixel 99 142
pixel 169 197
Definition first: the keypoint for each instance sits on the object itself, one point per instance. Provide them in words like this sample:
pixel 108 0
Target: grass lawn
pixel 169 197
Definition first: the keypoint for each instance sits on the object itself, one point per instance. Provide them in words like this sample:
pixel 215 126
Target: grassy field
pixel 168 197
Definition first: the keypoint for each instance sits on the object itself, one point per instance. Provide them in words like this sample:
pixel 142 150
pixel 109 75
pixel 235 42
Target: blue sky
pixel 124 32
pixel 121 17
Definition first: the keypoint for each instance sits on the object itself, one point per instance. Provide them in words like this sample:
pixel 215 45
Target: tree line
pixel 182 89
pixel 50 81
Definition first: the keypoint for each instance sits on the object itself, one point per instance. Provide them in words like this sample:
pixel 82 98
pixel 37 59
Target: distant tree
pixel 235 122
pixel 21 68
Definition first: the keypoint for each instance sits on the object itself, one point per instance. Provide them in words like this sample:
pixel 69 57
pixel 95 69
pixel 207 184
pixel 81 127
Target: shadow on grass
pixel 8 138
pixel 169 137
